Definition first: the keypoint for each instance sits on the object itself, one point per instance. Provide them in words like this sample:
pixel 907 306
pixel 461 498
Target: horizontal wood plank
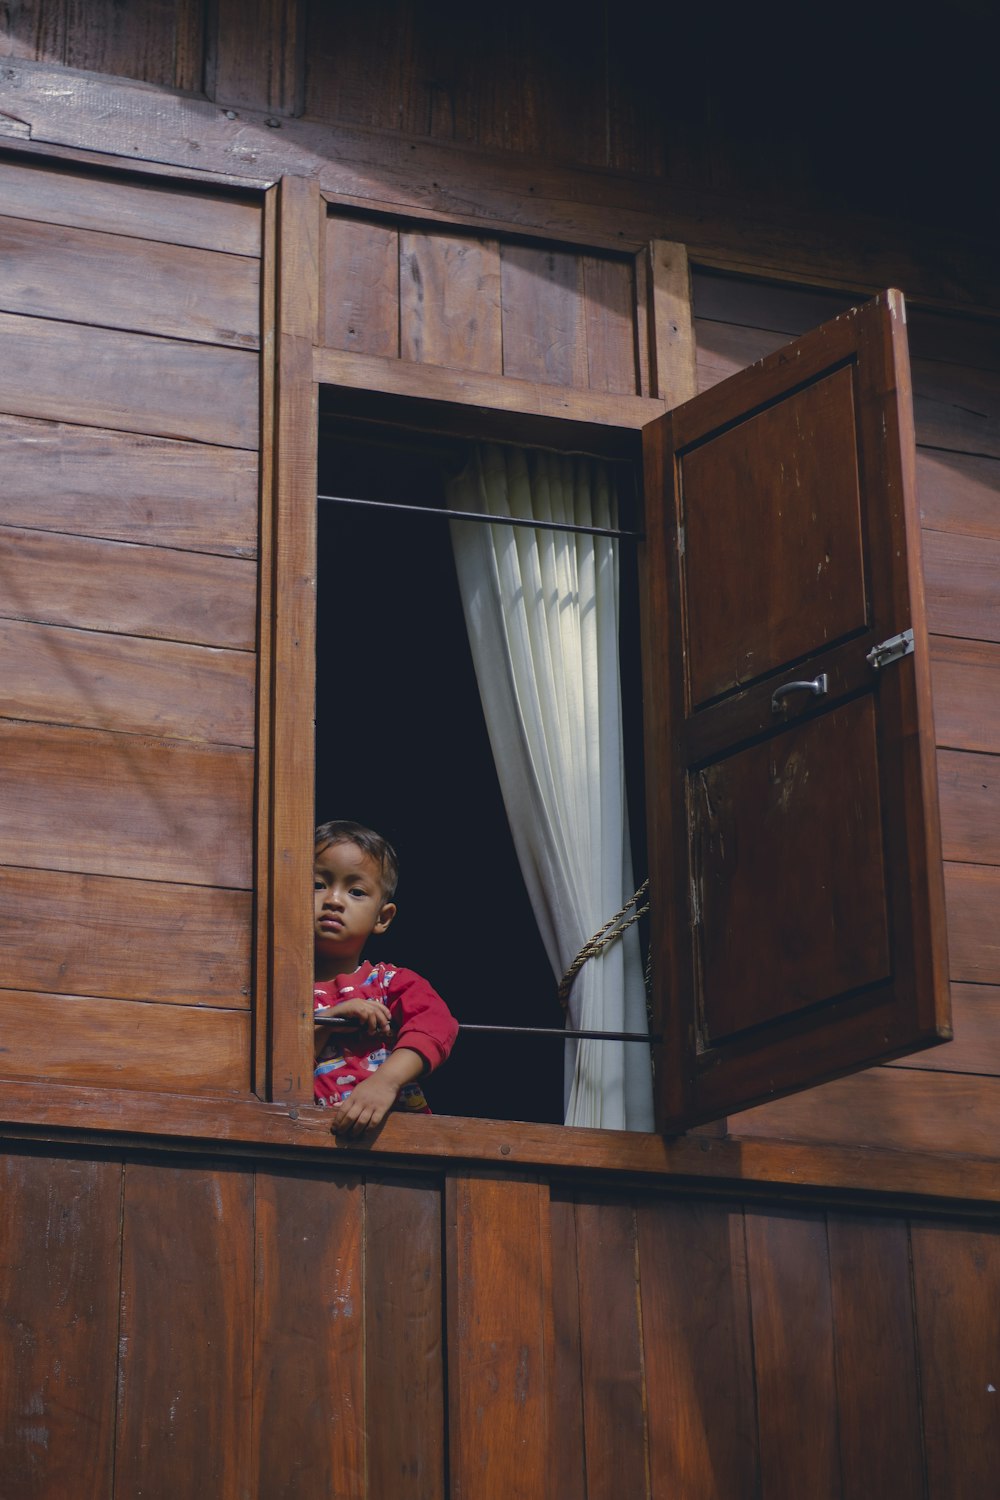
pixel 903 1109
pixel 126 1044
pixel 106 804
pixel 973 896
pixel 956 407
pixel 958 493
pixel 113 933
pixel 128 488
pixel 127 588
pixel 699 1161
pixel 975 1012
pixel 966 682
pixel 112 281
pixel 969 789
pixel 117 204
pixel 469 388
pixel 97 681
pixel 960 574
pixel 133 382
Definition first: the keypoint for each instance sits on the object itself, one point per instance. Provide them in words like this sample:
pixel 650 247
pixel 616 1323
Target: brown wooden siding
pixel 956 376
pixel 466 302
pixel 129 433
pixel 285 1331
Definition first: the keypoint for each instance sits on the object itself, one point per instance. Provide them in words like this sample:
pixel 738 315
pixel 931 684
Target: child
pixel 401 1027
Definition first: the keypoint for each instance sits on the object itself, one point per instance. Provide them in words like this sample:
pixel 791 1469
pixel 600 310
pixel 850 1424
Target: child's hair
pixel 341 831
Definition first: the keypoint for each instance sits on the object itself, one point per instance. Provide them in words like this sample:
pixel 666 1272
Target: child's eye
pixel 356 890
pixel 318 885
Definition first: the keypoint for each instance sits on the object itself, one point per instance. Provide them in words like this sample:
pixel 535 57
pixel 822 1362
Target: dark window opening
pixel 401 744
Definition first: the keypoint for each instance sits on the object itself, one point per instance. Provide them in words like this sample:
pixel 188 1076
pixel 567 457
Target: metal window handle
pixel 818 686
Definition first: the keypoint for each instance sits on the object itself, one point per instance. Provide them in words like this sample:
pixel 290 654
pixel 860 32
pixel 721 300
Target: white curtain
pixel 542 614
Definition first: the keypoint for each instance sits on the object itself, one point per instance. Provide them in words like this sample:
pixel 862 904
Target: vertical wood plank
pixel 956 1282
pixel 697 1344
pixel 449 304
pixel 59 1260
pixel 542 315
pixel 308 1356
pixel 793 1345
pixel 404 1354
pixel 671 340
pixel 260 1062
pixel 360 293
pixel 186 1320
pixel 875 1358
pixel 568 1472
pixel 259 54
pixel 610 311
pixel 499 1337
pixel 613 1383
pixel 290 593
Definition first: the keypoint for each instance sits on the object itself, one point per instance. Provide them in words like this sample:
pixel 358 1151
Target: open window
pixel 794 853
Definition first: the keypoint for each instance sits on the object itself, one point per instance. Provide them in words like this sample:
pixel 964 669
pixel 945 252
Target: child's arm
pixel 368 1104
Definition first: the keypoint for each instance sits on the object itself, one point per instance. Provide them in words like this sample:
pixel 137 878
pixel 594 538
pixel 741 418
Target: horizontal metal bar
pixel 572 1036
pixel 478 515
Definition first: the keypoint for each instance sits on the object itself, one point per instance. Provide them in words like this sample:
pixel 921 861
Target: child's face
pixel 349 905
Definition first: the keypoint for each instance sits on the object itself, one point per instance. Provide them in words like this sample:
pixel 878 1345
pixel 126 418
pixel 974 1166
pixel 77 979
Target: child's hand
pixel 370 1015
pixel 365 1107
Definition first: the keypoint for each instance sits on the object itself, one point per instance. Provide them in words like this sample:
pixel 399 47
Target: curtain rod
pixel 592 1036
pixel 478 515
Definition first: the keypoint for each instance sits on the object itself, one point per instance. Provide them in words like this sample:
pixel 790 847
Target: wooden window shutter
pixel 795 848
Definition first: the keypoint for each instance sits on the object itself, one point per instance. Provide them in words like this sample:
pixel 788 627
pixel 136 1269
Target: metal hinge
pixel 891 650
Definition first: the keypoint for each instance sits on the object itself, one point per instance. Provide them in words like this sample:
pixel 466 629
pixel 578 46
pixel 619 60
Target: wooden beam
pixel 59 107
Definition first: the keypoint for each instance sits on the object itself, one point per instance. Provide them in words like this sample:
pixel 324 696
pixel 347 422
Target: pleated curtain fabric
pixel 541 609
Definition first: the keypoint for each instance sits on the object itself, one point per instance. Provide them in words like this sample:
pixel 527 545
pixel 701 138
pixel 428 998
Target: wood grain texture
pixel 902 1109
pixel 96 681
pixel 959 493
pixel 449 302
pixel 128 488
pixel 794 1356
pixel 360 291
pixel 259 54
pixel 288 605
pixel 543 315
pixel 127 588
pixel 973 896
pixel 113 281
pixel 614 1414
pixel 106 804
pixel 308 1357
pixel 167 212
pixel 697 1347
pixel 131 382
pixel 957 407
pixel 114 949
pixel 179 1049
pixel 876 1363
pixel 499 1337
pixel 404 1339
pixel 961 579
pixel 610 315
pixel 59 1258
pixel 567 1478
pixel 158 43
pixel 970 807
pixel 966 678
pixel 672 343
pixel 186 1331
pixel 535 398
pixel 975 1010
pixel 956 1282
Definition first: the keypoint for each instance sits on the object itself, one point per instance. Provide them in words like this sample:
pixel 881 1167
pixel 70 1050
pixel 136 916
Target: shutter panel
pixel 795 848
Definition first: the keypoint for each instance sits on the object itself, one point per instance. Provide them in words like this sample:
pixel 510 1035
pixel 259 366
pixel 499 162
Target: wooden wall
pixel 130 319
pixel 309 1333
pixel 956 377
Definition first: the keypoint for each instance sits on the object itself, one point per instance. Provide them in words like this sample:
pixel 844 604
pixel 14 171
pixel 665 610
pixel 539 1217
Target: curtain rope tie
pixel 602 938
